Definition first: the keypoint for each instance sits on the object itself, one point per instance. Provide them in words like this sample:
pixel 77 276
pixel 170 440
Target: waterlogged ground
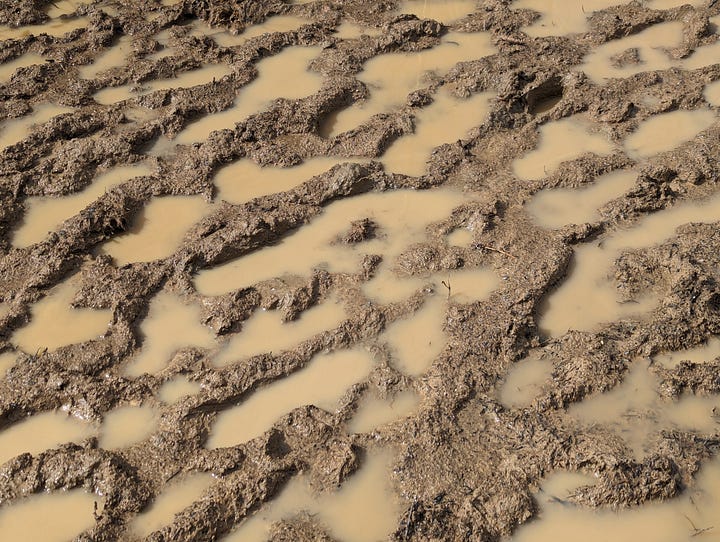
pixel 359 271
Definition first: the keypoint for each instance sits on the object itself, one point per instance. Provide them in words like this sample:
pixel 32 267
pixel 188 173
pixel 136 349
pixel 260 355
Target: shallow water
pixel 55 323
pixel 7 69
pixel 667 131
pixel 374 412
pixel 48 517
pixel 175 497
pixel 173 390
pixel 127 425
pixel 708 351
pixel 562 17
pixel 321 383
pixel 44 214
pixel 152 235
pixel 444 11
pixel 15 130
pixel 55 27
pixel 113 57
pixel 42 432
pixel 525 380
pixel 7 361
pixel 712 93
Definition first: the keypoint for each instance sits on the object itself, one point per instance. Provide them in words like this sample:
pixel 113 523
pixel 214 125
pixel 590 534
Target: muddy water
pixel 351 31
pixel 562 17
pixel 244 180
pixel 401 215
pixel 321 383
pixel 114 57
pixel 45 214
pixel 15 130
pixel 668 4
pixel 7 69
pixel 556 208
pixel 672 521
pixel 560 141
pixel 667 131
pixel 362 510
pixel 41 432
pixel 712 93
pixel 374 412
pixel 278 23
pixel 589 283
pixel 65 7
pixel 525 380
pixel 7 360
pixel 127 425
pixel 408 73
pixel 700 354
pixel 444 11
pixel 169 326
pixel 200 76
pixel 152 235
pixel 461 237
pixel 446 120
pixel 266 332
pixel 273 72
pixel 48 517
pixel 55 323
pixel 177 495
pixel 55 27
pixel 177 388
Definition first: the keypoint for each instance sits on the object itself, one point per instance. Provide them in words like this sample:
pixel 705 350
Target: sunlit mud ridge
pixel 359 271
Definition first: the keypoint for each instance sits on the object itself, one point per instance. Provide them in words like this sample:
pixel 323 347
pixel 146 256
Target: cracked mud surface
pixel 465 465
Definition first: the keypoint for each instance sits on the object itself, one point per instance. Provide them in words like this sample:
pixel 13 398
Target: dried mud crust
pixel 466 464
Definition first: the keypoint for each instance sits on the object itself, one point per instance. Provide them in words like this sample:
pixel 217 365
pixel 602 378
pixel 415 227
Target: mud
pixel 463 462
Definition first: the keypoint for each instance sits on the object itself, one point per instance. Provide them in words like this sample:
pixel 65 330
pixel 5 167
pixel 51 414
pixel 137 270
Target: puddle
pixel 291 64
pixel 556 208
pixel 114 57
pixel 152 236
pixel 200 76
pixel 700 354
pixel 177 388
pixel 7 69
pixel 668 4
pixel 525 381
pixel 321 383
pixel 7 361
pixel 266 332
pixel 560 141
pixel 45 214
pixel 127 425
pixel 169 326
pixel 634 411
pixel 401 215
pixel 649 43
pixel 362 510
pixel 374 412
pixel 65 7
pixel 15 130
pixel 176 497
pixel 278 23
pixel 41 432
pixel 48 517
pixel 671 521
pixel 588 283
pixel 55 27
pixel 55 323
pixel 667 131
pixel 244 180
pixel 712 93
pixel 352 31
pixel 446 120
pixel 462 237
pixel 408 73
pixel 562 17
pixel 444 11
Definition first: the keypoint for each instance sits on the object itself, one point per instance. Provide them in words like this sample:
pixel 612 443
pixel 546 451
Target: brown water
pixel 200 76
pixel 113 57
pixel 321 383
pixel 55 27
pixel 291 64
pixel 562 17
pixel 589 283
pixel 708 351
pixel 45 214
pixel 561 141
pixel 177 495
pixel 152 236
pixel 169 326
pixel 7 360
pixel 7 69
pixel 667 131
pixel 173 390
pixel 525 380
pixel 446 120
pixel 557 207
pixel 444 11
pixel 352 31
pixel 712 93
pixel 402 216
pixel 278 23
pixel 409 73
pixel 266 332
pixel 55 323
pixel 15 130
pixel 42 432
pixel 127 425
pixel 65 7
pixel 374 412
pixel 362 510
pixel 48 517
pixel 462 237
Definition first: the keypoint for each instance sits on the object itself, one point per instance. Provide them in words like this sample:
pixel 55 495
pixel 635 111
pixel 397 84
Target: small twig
pixel 498 250
pixel 447 285
pixel 697 531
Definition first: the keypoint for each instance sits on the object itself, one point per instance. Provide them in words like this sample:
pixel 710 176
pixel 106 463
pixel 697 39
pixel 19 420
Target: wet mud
pixel 130 329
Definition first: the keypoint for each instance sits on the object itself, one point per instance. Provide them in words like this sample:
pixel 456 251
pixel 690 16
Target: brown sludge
pixel 411 270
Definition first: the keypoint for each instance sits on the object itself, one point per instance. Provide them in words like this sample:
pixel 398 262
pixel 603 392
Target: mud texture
pixel 466 465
